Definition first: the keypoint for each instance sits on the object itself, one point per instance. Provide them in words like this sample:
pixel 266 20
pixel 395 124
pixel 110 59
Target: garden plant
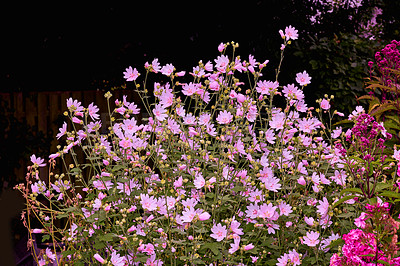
pixel 226 168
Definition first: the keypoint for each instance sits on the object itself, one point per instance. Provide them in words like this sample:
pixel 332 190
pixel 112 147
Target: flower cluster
pixel 214 173
pixel 376 241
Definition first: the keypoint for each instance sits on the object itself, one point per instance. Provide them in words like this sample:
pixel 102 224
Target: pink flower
pixel 99 258
pixel 265 87
pixel 272 183
pixel 309 220
pixel 62 130
pixel 360 221
pixel 160 112
pixel 235 245
pixel 190 89
pixel 325 104
pixel 277 121
pixel 131 74
pixel 155 66
pixel 204 216
pixel 336 132
pixel 221 63
pixel 148 202
pixel 267 211
pixel 224 117
pixel 221 47
pixel 311 239
pixel 167 70
pixel 248 247
pixel 284 208
pixel 74 105
pixel 301 181
pixel 199 181
pixel 291 33
pixel 303 78
pixel 117 260
pixel 219 232
pixel 323 207
pixel 38 162
pixel 188 215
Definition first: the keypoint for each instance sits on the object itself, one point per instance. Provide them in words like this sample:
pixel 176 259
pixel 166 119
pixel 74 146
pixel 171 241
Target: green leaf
pixel 390 194
pixel 337 203
pixel 383 262
pixel 351 190
pixel 214 247
pixel 382 186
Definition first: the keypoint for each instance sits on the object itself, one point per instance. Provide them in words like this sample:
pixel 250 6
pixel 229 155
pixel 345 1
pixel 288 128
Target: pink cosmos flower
pixel 303 78
pixel 190 89
pixel 99 258
pixel 235 245
pixel 148 202
pixel 221 47
pixel 199 181
pixel 253 211
pixel 221 63
pixel 37 161
pixel 284 208
pixel 167 70
pixel 311 239
pixel 62 130
pixel 309 220
pixel 325 104
pixel 131 74
pixel 336 132
pixel 323 207
pixel 224 117
pixel 265 87
pixel 267 211
pixel 248 247
pixel 219 232
pixel 117 260
pixel 155 66
pixel 277 121
pixel 160 112
pixel 272 183
pixel 291 33
pixel 74 105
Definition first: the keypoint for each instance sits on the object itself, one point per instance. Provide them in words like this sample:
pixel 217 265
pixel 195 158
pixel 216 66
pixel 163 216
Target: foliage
pixel 383 89
pixel 18 141
pixel 215 174
pixel 339 65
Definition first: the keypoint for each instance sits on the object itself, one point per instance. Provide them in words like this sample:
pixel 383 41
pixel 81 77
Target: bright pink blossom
pixel 311 239
pixel 131 74
pixel 224 117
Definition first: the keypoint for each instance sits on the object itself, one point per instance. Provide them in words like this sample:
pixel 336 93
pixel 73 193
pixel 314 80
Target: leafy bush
pixel 216 174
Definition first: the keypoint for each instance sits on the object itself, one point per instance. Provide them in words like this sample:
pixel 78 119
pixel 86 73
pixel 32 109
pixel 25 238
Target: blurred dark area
pixel 87 46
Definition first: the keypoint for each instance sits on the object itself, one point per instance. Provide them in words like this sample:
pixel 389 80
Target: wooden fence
pixel 41 110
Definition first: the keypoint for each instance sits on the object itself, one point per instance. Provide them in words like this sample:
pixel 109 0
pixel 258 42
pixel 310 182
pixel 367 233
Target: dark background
pixel 70 46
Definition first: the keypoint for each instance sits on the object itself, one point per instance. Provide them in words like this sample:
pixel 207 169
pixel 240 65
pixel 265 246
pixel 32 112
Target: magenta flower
pixel 224 117
pixel 131 74
pixel 38 162
pixel 311 239
pixel 219 232
pixel 303 78
pixel 99 258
